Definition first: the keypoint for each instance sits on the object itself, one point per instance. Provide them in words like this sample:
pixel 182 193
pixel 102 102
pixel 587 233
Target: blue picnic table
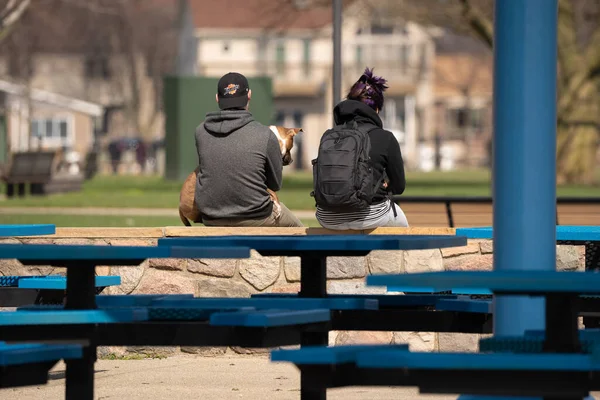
pixel 572 235
pixel 560 361
pixel 27 230
pixel 80 307
pixel 313 251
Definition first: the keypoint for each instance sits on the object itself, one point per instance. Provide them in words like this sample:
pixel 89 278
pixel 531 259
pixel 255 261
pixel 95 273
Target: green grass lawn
pixel 155 192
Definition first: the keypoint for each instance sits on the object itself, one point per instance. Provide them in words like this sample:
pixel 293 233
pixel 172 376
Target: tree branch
pixel 482 26
pixel 13 11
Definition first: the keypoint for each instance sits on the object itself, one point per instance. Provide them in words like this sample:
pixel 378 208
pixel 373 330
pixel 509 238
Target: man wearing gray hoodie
pixel 239 160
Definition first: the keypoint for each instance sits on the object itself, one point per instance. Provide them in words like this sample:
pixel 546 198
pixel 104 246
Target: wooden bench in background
pixel 39 171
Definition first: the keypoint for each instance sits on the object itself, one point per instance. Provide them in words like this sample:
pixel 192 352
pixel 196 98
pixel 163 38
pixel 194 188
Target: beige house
pixel 291 42
pixel 39 119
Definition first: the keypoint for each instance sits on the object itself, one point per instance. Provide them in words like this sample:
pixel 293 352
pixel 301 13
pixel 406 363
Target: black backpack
pixel 342 172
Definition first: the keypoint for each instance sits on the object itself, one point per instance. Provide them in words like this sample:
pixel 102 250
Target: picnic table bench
pixel 28 364
pixel 18 290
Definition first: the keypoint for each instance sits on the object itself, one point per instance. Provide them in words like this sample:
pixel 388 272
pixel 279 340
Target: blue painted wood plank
pixel 97 253
pixel 323 242
pixel 60 282
pixel 534 282
pixel 456 291
pixel 574 233
pixel 137 300
pixel 189 314
pixel 478 361
pixel 66 317
pixel 19 354
pixel 465 305
pixel 270 318
pixel 384 300
pixel 313 355
pixel 266 303
pixel 27 230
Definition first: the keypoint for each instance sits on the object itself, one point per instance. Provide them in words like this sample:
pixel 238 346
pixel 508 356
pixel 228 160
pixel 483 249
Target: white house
pixel 291 41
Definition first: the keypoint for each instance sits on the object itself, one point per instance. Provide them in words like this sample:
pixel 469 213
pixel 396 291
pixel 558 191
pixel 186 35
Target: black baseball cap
pixel 232 91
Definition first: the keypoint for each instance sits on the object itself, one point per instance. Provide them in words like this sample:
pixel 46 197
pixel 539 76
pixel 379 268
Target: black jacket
pixel 385 150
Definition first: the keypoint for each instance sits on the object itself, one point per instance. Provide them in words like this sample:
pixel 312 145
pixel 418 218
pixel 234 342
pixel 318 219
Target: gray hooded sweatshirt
pixel 239 158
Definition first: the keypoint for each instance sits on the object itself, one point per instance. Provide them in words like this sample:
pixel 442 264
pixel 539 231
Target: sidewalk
pixel 195 377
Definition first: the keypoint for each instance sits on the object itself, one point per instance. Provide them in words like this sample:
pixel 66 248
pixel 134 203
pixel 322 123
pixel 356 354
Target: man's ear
pixel 217 97
pixel 249 94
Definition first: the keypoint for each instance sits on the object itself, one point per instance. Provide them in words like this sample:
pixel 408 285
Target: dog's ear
pixel 294 131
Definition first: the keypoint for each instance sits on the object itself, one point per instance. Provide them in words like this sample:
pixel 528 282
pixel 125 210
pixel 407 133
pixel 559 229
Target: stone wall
pixel 241 278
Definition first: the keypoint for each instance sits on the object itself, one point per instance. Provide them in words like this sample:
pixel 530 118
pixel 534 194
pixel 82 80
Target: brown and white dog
pixel 188 209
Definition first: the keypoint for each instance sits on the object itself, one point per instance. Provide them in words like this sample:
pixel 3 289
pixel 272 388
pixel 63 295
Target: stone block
pixel 131 242
pixel 168 264
pixel 486 246
pixel 286 288
pixel 363 337
pixel 252 350
pixel 291 269
pixel 417 341
pixel 470 248
pixel 111 351
pixel 204 351
pixel 153 351
pixel 218 287
pixel 156 281
pixel 130 278
pixel 423 261
pixel 346 267
pixel 353 287
pixel 386 262
pixel 470 262
pixel 568 259
pixel 81 241
pixel 222 268
pixel 458 342
pixel 260 272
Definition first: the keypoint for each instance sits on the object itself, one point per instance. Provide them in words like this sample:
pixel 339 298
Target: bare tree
pixel 10 12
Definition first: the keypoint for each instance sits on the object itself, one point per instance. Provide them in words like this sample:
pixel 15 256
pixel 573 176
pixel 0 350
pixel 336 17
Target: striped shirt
pixel 371 215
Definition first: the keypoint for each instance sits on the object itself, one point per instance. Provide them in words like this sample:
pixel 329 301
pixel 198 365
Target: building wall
pixel 304 85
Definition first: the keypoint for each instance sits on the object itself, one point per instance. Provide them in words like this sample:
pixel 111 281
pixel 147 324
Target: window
pixel 460 120
pixel 359 55
pixel 404 57
pixel 307 63
pixel 52 132
pixel 97 67
pixel 280 58
pixel 379 29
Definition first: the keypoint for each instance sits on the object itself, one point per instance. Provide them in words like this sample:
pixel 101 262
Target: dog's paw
pixel 276 210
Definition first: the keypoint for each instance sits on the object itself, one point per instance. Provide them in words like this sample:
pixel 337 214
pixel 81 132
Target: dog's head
pixel 285 136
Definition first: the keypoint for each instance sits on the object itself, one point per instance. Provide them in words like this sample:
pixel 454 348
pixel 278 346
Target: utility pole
pixel 337 51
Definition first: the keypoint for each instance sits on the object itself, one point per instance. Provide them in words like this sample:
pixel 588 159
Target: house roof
pixel 54 99
pixel 261 14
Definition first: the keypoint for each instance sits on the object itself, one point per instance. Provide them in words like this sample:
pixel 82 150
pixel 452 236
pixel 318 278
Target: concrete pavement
pixel 194 377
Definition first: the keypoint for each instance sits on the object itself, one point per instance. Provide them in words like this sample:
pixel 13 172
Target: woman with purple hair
pixel 363 104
